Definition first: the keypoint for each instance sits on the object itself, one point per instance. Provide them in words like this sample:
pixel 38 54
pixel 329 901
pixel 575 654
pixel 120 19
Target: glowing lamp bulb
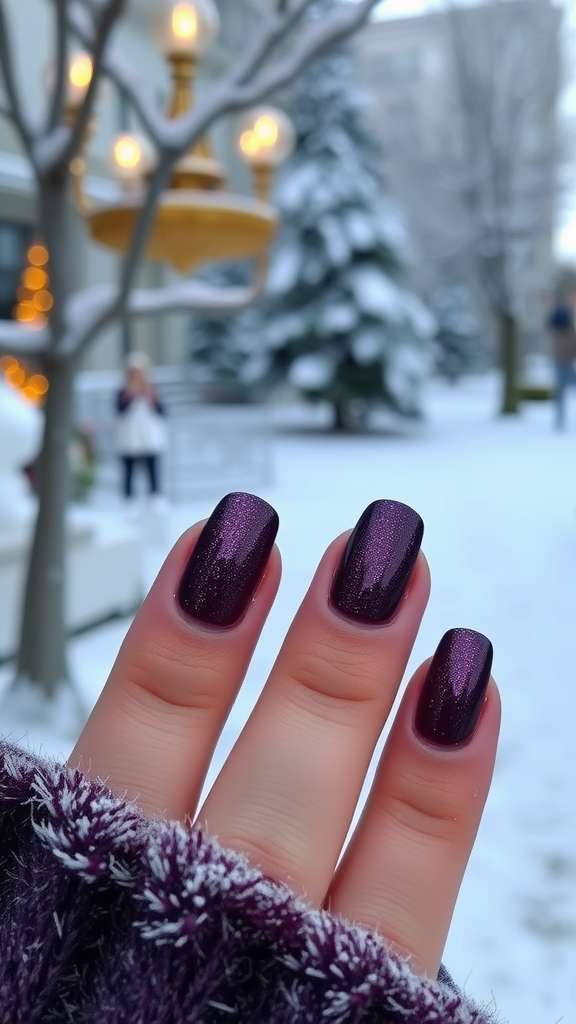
pixel 127 153
pixel 249 144
pixel 266 137
pixel 79 78
pixel 81 71
pixel 184 22
pixel 132 158
pixel 186 28
pixel 266 130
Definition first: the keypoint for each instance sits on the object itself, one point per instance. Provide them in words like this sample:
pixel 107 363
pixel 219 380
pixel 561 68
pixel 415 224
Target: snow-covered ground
pixel 499 502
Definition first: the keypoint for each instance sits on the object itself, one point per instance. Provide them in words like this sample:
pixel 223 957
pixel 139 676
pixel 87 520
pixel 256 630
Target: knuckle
pixel 171 677
pixel 335 677
pixel 434 811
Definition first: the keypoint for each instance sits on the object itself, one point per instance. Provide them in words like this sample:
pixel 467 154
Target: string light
pixel 38 255
pixel 30 384
pixel 33 296
pixel 33 301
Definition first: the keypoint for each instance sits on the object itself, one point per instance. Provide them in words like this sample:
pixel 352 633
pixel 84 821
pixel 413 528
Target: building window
pixel 403 129
pixel 14 240
pixel 396 66
pixel 238 21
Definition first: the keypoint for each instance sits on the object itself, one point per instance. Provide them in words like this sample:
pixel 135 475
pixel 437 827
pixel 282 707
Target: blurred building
pixel 164 338
pixel 414 69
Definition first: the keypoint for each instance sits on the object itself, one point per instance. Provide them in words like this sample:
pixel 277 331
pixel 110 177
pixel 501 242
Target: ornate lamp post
pixel 197 219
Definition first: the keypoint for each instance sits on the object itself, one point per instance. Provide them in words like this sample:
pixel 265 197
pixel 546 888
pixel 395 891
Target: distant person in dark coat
pixel 561 324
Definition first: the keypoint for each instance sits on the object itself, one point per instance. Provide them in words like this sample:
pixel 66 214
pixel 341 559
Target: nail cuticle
pixel 454 690
pixel 370 624
pixel 377 563
pixel 228 562
pixel 444 748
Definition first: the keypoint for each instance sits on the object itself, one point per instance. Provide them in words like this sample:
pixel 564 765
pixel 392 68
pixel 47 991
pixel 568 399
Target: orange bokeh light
pixel 32 387
pixel 38 255
pixel 25 312
pixel 16 376
pixel 43 301
pixel 39 382
pixel 30 393
pixel 34 278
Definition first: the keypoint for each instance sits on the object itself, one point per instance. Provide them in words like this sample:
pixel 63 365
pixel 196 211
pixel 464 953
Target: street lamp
pixel 197 220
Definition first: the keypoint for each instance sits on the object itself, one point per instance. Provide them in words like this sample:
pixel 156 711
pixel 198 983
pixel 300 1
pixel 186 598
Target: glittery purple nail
pixel 230 555
pixel 454 689
pixel 378 561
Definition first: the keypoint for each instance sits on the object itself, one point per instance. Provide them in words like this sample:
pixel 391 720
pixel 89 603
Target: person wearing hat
pixel 141 427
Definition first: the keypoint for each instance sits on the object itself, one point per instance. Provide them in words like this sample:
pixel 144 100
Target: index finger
pixel 153 731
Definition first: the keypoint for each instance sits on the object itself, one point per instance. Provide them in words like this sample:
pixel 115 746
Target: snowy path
pixel 498 500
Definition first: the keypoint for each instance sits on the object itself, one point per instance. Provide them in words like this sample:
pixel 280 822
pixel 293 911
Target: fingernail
pixel 455 686
pixel 227 563
pixel 378 561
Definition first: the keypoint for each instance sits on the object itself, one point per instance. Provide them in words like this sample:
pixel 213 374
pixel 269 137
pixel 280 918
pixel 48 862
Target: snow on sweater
pixel 110 917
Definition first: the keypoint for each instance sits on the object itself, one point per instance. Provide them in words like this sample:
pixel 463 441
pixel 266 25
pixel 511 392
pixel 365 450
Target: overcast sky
pixel 565 241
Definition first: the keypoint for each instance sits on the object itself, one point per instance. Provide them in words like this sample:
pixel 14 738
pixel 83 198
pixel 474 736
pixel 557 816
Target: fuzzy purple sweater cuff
pixel 109 917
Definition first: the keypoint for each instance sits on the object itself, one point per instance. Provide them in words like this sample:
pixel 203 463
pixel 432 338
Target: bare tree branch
pixel 196 296
pixel 226 98
pixel 176 136
pixel 5 108
pixel 60 69
pixel 237 91
pixel 86 309
pixel 102 307
pixel 18 115
pixel 179 135
pixel 18 340
pixel 109 15
pixel 119 72
pixel 272 33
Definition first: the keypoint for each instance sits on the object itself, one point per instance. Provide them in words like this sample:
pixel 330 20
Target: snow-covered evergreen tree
pixel 335 321
pixel 457 331
pixel 226 353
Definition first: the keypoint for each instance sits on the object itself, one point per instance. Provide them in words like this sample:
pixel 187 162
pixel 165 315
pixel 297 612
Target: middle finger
pixel 288 791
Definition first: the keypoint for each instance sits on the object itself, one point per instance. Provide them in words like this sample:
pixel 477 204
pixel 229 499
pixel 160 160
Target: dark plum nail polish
pixel 378 561
pixel 230 555
pixel 454 689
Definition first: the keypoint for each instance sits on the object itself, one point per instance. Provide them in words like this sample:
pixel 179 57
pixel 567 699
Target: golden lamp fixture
pixel 197 219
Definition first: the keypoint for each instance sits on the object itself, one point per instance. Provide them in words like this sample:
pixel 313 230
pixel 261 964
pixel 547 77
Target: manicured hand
pixel 288 791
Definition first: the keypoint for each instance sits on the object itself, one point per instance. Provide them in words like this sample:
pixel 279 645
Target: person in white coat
pixel 141 426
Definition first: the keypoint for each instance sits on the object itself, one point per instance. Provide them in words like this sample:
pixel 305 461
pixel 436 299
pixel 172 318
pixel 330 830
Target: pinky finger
pixel 402 870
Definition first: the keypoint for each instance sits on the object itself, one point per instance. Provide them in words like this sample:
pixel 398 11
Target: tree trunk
pixel 508 337
pixel 42 649
pixel 340 409
pixel 42 654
